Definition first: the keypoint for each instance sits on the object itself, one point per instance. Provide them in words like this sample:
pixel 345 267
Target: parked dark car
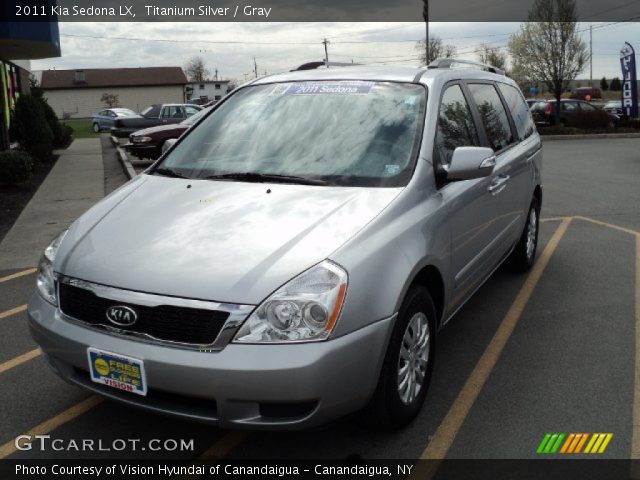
pixel 573 113
pixel 581 93
pixel 149 142
pixel 152 116
pixel 104 119
pixel 614 107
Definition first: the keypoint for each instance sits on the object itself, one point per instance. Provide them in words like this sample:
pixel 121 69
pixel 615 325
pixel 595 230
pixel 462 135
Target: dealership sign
pixel 629 81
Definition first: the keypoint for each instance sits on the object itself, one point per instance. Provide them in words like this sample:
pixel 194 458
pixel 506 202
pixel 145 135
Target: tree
pixel 436 50
pixel 34 86
pixel 110 99
pixel 30 127
pixel 603 84
pixel 615 86
pixel 492 56
pixel 196 70
pixel 548 48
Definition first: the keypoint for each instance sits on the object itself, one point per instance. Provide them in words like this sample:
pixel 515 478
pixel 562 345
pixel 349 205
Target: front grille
pixel 163 322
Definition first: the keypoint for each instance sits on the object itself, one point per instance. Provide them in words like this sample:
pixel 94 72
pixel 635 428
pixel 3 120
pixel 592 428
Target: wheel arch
pixel 430 277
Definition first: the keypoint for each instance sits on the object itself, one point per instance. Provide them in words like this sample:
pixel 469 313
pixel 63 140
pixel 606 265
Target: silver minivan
pixel 291 259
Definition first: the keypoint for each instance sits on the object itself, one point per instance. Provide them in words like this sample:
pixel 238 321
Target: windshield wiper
pixel 168 172
pixel 265 177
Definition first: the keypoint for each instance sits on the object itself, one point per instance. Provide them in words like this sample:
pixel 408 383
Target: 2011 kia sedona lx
pixel 293 256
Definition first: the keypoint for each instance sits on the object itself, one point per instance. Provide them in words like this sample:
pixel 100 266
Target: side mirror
pixel 168 144
pixel 471 162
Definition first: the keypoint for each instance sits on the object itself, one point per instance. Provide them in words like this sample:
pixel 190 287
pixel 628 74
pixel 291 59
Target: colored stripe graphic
pixel 550 443
pixel 573 443
pixel 581 443
pixel 598 443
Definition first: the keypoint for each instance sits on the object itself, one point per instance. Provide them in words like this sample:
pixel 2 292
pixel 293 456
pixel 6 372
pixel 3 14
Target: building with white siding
pixel 78 93
pixel 206 91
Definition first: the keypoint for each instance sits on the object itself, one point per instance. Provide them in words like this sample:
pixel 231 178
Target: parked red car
pixel 581 93
pixel 147 143
pixel 573 113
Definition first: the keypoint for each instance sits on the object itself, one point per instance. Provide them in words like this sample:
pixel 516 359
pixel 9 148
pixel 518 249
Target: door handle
pixel 499 184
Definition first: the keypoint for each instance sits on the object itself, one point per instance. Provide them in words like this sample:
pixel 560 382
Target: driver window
pixel 456 127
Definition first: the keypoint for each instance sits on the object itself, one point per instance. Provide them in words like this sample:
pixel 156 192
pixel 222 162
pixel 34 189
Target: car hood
pixel 214 240
pixel 160 128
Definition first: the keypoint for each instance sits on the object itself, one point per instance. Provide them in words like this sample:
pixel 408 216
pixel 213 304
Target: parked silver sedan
pixel 292 258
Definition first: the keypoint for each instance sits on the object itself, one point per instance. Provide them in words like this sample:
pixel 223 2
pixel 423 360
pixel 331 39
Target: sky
pixel 279 47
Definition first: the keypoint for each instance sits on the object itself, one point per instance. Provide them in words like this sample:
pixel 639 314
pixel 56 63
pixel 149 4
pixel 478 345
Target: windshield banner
pixel 629 81
pixel 326 88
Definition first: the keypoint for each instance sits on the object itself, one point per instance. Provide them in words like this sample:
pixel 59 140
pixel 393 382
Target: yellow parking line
pixel 553 219
pixel 218 450
pixel 49 425
pixel 13 311
pixel 445 434
pixel 19 360
pixel 18 274
pixel 223 446
pixel 610 225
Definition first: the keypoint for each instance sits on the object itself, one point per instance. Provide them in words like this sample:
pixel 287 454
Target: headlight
pixel 141 139
pixel 46 281
pixel 304 309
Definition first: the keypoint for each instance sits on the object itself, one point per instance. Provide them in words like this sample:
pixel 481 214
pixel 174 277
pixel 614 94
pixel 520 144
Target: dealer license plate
pixel 117 371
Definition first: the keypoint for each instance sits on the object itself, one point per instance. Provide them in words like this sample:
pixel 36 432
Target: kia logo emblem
pixel 121 315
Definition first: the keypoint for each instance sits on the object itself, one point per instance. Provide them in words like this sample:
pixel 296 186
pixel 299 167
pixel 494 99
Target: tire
pixel 524 254
pixel 96 128
pixel 392 407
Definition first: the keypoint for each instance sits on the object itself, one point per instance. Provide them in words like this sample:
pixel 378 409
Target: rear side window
pixel 455 125
pixel 569 106
pixel 173 111
pixel 519 110
pixel 587 107
pixel 494 117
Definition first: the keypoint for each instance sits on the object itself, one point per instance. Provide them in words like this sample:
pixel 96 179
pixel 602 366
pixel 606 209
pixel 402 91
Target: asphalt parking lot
pixel 554 351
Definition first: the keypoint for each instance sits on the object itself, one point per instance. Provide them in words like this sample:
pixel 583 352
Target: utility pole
pixel 425 15
pixel 255 67
pixel 216 73
pixel 591 55
pixel 326 52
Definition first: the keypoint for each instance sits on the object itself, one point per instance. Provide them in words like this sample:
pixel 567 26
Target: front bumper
pixel 123 132
pixel 143 150
pixel 242 386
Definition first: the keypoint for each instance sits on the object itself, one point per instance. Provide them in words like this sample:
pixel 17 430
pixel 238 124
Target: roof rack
pixel 322 64
pixel 450 62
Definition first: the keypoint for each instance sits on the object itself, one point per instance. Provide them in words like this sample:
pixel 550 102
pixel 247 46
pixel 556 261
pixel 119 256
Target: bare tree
pixel 437 49
pixel 110 99
pixel 196 70
pixel 548 48
pixel 492 56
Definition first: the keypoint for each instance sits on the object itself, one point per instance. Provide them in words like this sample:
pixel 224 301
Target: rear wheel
pixel 524 254
pixel 96 128
pixel 408 364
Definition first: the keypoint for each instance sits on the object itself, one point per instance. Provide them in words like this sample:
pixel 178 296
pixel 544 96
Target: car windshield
pixel 148 110
pixel 125 112
pixel 195 117
pixel 351 133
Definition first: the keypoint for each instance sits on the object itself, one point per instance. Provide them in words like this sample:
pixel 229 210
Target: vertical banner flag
pixel 629 81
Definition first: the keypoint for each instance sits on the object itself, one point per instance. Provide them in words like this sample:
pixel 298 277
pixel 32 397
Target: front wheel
pixel 524 254
pixel 96 128
pixel 408 364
